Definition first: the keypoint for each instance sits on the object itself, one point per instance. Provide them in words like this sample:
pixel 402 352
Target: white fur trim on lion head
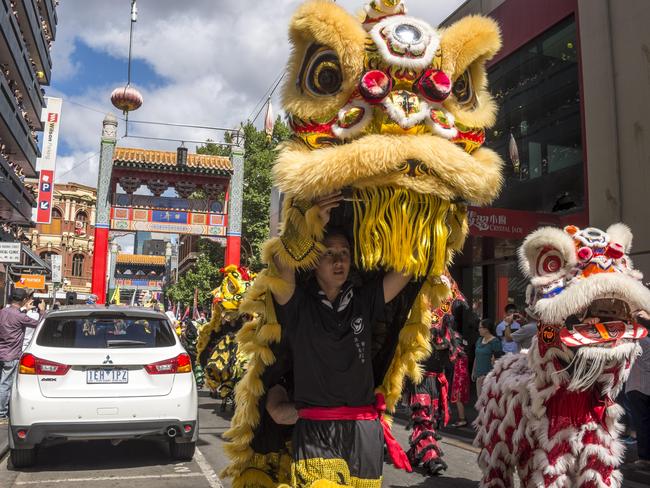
pixel 571 268
pixel 546 255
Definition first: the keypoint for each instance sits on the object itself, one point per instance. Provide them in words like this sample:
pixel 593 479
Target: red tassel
pixel 395 451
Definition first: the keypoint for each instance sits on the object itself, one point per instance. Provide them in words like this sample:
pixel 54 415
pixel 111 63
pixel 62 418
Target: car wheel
pixel 23 458
pixel 182 451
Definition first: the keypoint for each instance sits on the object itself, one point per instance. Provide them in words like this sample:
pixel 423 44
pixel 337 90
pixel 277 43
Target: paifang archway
pixel 159 171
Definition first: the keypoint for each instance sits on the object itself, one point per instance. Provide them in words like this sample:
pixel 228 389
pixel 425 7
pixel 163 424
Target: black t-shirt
pixel 331 343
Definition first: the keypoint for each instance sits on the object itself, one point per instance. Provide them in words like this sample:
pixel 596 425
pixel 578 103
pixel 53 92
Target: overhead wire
pixel 267 95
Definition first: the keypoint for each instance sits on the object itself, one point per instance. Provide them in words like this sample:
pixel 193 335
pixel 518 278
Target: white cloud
pixel 218 59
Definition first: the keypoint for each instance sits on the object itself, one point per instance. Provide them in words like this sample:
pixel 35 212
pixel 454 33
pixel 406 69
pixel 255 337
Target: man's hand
pixel 280 407
pixel 643 317
pixel 326 204
pixel 641 314
pixel 41 306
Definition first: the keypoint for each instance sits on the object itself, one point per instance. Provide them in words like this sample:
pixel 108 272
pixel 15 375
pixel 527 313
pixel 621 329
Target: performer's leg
pixel 424 448
pixel 640 405
pixel 334 454
pixel 366 456
pixel 599 459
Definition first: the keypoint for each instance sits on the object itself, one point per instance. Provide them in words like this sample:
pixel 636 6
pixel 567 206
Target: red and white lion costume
pixel 549 413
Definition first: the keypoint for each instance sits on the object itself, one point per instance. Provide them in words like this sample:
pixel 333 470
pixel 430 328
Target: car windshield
pixel 105 332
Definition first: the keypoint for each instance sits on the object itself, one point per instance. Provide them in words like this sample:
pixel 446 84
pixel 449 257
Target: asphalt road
pixel 146 464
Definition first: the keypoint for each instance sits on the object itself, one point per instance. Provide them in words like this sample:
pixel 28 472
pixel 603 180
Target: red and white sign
pixel 47 163
pixel 507 224
pixel 79 228
pixel 45 193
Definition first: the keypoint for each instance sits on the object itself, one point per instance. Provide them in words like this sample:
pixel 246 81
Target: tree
pixel 204 276
pixel 260 154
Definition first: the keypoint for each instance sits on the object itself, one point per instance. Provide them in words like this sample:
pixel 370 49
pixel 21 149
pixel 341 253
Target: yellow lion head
pixel 392 111
pixel 235 282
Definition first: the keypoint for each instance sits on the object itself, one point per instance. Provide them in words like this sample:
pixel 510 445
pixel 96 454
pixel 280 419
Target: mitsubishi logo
pixel 108 360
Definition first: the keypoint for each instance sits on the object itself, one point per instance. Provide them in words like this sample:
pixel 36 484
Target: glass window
pixel 105 332
pixel 54 227
pixel 514 289
pixel 77 265
pixel 538 128
pixel 47 256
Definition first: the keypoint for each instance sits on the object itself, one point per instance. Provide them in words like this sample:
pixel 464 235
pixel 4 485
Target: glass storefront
pixel 538 129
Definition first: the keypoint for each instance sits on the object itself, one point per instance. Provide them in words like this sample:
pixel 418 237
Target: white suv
pixel 95 372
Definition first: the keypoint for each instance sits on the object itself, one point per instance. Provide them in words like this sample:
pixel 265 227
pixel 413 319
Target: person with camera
pixel 510 323
pixel 31 311
pixel 13 323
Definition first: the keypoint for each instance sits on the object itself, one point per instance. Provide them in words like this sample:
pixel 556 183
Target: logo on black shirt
pixel 357 325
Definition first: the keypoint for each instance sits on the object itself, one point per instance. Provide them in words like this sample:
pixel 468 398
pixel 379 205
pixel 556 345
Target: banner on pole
pixel 47 162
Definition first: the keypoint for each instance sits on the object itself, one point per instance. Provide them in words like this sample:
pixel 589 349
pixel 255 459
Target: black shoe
pixel 436 466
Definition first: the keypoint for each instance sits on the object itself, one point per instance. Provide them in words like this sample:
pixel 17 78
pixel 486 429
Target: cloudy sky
pixel 202 62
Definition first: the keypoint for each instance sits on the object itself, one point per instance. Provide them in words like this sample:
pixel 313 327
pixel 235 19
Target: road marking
pixel 114 478
pixel 208 472
pixel 181 468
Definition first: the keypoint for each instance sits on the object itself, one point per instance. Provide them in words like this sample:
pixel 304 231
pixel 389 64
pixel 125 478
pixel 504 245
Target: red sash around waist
pixel 366 412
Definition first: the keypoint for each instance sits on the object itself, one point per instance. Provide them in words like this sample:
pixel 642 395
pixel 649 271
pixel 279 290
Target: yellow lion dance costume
pixel 391 112
pixel 217 353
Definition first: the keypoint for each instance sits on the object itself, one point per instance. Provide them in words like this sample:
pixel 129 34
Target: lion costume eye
pixel 463 90
pixel 321 72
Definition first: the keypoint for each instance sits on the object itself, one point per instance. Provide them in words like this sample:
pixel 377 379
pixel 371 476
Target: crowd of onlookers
pixel 20 102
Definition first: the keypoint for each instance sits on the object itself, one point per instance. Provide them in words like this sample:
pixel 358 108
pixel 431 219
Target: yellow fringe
pixel 400 229
pixel 413 344
pixel 254 339
pixel 299 245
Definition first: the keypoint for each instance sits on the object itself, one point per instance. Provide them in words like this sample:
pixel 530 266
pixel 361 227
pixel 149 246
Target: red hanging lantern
pixel 126 98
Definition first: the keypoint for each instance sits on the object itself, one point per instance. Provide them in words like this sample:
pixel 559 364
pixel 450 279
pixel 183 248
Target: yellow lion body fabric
pixel 391 112
pixel 217 353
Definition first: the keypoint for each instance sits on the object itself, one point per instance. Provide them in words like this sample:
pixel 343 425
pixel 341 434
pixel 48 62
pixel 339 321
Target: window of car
pixel 105 332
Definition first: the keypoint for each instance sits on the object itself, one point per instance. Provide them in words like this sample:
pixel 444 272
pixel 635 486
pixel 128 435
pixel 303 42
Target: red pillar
pixel 233 246
pixel 102 215
pixel 100 261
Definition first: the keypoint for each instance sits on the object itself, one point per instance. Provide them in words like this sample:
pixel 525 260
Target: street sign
pixel 36 282
pixel 10 252
pixel 55 261
pixel 47 162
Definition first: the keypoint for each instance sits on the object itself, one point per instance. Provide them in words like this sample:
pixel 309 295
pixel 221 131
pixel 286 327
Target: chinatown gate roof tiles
pixel 147 160
pixel 142 259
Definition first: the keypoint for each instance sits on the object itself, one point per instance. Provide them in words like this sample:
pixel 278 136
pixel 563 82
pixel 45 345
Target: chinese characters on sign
pixel 506 224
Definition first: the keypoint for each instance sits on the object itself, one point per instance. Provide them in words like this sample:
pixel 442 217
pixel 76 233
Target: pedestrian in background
pixel 637 389
pixel 488 349
pixel 460 384
pixel 524 336
pixel 509 324
pixel 12 330
pixel 33 313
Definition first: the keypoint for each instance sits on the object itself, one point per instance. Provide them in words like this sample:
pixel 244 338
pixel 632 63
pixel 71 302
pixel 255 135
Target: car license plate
pixel 107 376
